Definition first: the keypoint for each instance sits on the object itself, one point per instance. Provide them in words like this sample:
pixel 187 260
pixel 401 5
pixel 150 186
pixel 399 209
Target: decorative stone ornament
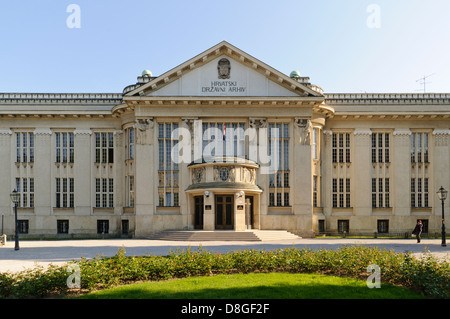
pixel 224 68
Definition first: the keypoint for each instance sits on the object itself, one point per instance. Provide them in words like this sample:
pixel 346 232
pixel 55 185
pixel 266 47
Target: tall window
pixel 419 148
pixel 167 168
pixel 62 226
pixel 380 192
pixel 104 192
pixel 25 187
pixel 64 192
pixel 65 148
pixel 315 145
pixel 341 148
pixel 24 147
pixel 279 188
pixel 130 136
pixel 104 147
pixel 102 226
pixel 341 192
pixel 419 192
pixel 419 169
pixel 380 147
pixel 223 139
pixel 130 191
pixel 315 187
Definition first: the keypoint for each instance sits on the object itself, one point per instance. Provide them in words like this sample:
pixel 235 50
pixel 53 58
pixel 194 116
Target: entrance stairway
pixel 223 235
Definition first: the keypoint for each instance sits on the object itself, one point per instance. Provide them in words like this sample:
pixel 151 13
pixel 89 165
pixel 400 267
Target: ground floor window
pixel 383 226
pixel 62 226
pixel 125 226
pixel 343 226
pixel 23 226
pixel 321 226
pixel 65 192
pixel 102 226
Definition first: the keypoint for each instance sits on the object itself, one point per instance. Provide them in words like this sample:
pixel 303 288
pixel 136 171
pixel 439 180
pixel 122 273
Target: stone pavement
pixel 45 252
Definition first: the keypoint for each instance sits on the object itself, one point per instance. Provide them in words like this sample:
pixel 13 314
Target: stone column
pixel 401 188
pixel 82 172
pixel 145 177
pixel 262 179
pixel 302 177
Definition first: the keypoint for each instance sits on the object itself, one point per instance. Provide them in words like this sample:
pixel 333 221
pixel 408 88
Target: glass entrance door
pixel 224 212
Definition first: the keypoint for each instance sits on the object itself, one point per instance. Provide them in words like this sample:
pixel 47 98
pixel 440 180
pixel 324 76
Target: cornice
pixel 60 98
pixel 387 98
pixel 441 132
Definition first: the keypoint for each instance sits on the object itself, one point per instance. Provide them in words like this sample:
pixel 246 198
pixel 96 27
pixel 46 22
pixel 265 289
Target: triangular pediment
pixel 224 70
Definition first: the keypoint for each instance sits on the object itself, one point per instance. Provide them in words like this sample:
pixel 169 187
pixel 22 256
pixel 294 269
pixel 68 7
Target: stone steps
pixel 223 235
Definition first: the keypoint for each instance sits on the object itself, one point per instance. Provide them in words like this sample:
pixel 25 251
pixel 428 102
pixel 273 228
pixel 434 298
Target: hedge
pixel 426 275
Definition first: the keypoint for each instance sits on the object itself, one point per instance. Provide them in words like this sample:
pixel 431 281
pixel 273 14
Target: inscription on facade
pixel 224 87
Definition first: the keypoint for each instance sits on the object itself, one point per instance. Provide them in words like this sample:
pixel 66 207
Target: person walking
pixel 418 230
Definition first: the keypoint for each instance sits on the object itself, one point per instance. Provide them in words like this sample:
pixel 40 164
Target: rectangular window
pixel 65 152
pixel 168 170
pixel 130 138
pixel 341 193
pixel 315 187
pixel 383 226
pixel 279 139
pixel 25 187
pixel 380 147
pixel 104 192
pixel 23 226
pixel 419 192
pixel 380 193
pixel 343 226
pixel 62 226
pixel 24 147
pixel 102 226
pixel 65 192
pixel 341 148
pixel 419 148
pixel 315 146
pixel 130 191
pixel 104 147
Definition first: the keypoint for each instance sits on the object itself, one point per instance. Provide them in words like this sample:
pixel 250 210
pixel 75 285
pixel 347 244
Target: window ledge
pixel 109 210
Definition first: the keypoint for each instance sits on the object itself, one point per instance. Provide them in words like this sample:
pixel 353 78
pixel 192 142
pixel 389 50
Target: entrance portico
pixel 224 195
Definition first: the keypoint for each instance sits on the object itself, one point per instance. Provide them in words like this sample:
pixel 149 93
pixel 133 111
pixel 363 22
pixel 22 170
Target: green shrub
pixel 426 275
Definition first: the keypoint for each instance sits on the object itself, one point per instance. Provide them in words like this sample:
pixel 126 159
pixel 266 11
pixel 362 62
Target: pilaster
pixel 82 172
pixel 402 177
pixel 43 164
pixel 361 176
pixel 145 180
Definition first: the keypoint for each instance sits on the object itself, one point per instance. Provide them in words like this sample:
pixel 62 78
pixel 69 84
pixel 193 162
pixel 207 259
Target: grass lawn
pixel 256 286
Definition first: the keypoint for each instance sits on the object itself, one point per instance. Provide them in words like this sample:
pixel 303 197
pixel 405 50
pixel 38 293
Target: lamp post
pixel 15 197
pixel 442 194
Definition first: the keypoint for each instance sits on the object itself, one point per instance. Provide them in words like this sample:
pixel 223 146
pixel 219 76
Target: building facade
pixel 222 141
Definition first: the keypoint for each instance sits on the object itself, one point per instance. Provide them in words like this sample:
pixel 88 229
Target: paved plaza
pixel 45 252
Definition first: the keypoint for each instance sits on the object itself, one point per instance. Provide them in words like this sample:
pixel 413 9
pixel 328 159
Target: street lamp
pixel 15 197
pixel 442 194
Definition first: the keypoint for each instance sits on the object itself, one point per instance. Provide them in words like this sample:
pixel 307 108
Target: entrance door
pixel 249 212
pixel 198 213
pixel 224 212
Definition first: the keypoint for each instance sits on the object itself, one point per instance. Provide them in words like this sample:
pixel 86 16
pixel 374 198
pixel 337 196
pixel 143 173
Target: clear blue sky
pixel 327 40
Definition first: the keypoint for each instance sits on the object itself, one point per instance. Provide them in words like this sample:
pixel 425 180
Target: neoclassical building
pixel 222 142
